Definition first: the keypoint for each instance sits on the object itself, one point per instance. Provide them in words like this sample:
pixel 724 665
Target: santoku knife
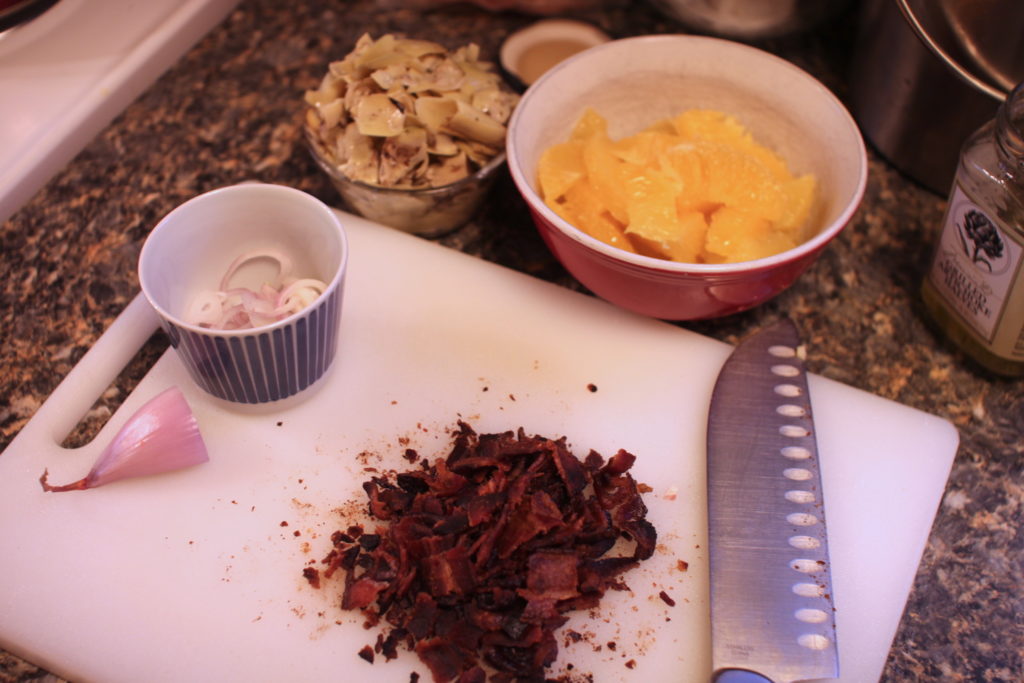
pixel 772 614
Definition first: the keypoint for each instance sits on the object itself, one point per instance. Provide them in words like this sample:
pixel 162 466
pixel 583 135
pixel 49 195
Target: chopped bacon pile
pixel 486 550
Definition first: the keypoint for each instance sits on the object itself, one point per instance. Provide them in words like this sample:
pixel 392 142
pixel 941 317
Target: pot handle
pixel 960 71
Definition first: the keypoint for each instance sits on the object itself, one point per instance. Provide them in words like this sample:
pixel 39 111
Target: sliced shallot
pixel 161 436
pixel 235 308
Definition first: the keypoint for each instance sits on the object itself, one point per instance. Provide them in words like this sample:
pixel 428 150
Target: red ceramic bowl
pixel 636 81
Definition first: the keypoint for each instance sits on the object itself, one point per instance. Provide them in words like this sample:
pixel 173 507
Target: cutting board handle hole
pixel 114 395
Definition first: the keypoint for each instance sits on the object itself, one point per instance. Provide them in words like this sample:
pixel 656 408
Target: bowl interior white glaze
pixel 191 249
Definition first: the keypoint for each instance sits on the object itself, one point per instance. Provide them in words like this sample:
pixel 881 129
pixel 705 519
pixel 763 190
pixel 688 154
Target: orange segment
pixel 694 188
pixel 799 198
pixel 591 124
pixel 736 235
pixel 698 124
pixel 737 179
pixel 560 166
pixel 607 174
pixel 705 124
pixel 585 210
pixel 651 206
pixel 642 149
pixel 685 245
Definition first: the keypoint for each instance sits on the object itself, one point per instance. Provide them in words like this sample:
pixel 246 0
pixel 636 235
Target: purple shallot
pixel 161 436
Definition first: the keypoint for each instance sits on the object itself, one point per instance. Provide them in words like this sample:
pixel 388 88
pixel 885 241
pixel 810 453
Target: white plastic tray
pixel 66 74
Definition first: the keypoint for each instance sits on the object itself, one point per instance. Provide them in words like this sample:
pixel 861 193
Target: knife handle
pixel 739 676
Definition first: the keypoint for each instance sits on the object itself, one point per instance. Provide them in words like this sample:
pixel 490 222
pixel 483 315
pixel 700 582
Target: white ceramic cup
pixel 191 249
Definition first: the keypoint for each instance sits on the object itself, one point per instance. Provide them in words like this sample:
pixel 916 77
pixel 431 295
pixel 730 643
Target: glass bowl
pixel 428 212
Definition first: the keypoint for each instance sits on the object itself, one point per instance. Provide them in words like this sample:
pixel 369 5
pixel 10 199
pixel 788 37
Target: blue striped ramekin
pixel 191 249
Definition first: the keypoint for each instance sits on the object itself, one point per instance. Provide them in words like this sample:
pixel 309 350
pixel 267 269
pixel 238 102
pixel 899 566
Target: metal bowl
pixel 750 19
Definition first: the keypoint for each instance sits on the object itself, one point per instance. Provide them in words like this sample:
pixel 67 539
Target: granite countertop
pixel 227 112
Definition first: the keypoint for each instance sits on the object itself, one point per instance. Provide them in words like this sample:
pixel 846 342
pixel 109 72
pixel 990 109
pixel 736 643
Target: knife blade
pixel 772 610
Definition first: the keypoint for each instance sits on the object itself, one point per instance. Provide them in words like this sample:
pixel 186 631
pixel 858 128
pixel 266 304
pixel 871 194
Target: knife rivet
pixel 782 351
pixel 793 431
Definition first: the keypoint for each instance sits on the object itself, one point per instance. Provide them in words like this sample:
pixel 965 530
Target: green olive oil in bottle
pixel 974 289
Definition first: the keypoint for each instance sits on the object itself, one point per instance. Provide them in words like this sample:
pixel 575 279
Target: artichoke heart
pixel 440 77
pixel 332 113
pixel 442 145
pixel 402 112
pixel 474 125
pixel 435 112
pixel 495 103
pixel 357 155
pixel 469 54
pixel 330 90
pixel 450 170
pixel 404 101
pixel 379 54
pixel 395 75
pixel 419 48
pixel 402 156
pixel 377 116
pixel 356 91
pixel 477 152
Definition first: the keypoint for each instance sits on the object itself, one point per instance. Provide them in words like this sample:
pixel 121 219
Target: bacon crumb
pixel 312 575
pixel 667 599
pixel 480 555
pixel 367 653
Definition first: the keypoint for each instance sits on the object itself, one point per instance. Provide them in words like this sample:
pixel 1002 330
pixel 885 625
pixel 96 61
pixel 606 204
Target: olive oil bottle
pixel 974 288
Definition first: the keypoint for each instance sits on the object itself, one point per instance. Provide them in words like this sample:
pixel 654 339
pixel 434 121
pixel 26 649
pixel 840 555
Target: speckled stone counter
pixel 229 111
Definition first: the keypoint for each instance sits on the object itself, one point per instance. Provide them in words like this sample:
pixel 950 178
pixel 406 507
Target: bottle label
pixel 977 271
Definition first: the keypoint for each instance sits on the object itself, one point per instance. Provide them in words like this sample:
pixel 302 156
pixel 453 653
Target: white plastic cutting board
pixel 193 576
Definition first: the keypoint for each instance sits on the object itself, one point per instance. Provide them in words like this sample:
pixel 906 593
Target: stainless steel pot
pixel 927 73
pixel 750 19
